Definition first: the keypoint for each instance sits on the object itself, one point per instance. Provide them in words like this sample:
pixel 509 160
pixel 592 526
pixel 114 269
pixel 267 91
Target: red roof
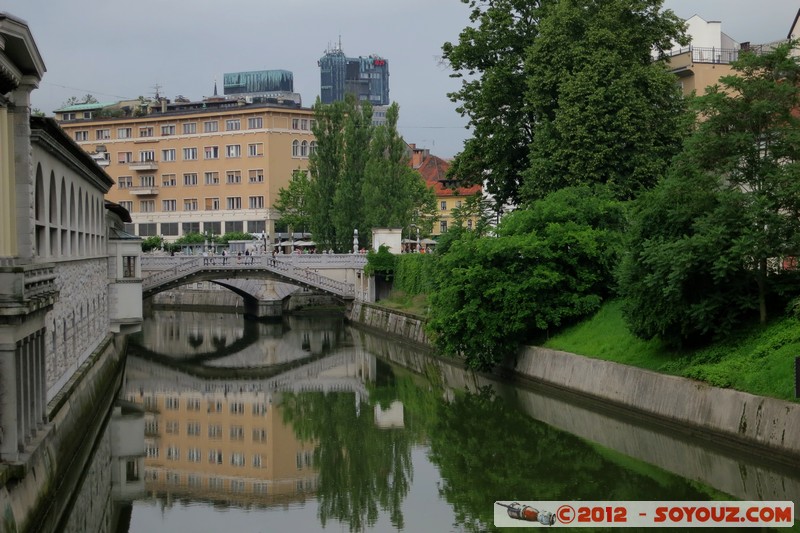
pixel 434 171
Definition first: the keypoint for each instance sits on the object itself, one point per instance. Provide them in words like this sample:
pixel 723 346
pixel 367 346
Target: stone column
pixel 20 111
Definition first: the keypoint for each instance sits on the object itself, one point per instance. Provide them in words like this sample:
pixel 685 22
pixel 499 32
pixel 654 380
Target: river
pixel 307 424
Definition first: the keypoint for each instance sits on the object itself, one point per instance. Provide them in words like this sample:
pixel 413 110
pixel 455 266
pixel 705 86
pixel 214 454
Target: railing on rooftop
pixel 723 56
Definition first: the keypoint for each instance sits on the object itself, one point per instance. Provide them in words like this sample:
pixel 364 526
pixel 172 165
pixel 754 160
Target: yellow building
pixel 214 166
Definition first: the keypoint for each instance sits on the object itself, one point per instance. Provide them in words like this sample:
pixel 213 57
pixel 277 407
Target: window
pixel 124 157
pixel 151 451
pixel 147 156
pixel 234 202
pixel 190 227
pixel 124 133
pixel 257 175
pixel 102 135
pixel 190 179
pixel 312 148
pixel 193 429
pixel 147 181
pixel 233 177
pixel 128 266
pixel 212 204
pixel 210 127
pixel 458 203
pixel 173 427
pixel 168 180
pixel 259 487
pixel 443 205
pixel 168 129
pixel 67 116
pixel 255 123
pixel 216 483
pixel 125 182
pixel 237 433
pixel 81 136
pixel 169 205
pixel 189 154
pixel 194 455
pixel 147 206
pixel 304 149
pixel 169 228
pixel 193 404
pixel 295 123
pixel 443 226
pixel 237 459
pixel 215 228
pixel 149 229
pixel 237 408
pixel 233 125
pixel 304 124
pixel 257 460
pixel 469 224
pixel 190 204
pixel 211 152
pixel 173 453
pixel 212 178
pixel 259 435
pixel 233 150
pixel 234 225
pixel 146 131
pixel 172 403
pixel 127 205
pixel 215 458
pixel 256 202
pixel 168 155
pixel 214 431
pixel 189 128
pixel 255 150
pixel 295 148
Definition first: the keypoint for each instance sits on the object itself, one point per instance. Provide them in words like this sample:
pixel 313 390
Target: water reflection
pixel 349 430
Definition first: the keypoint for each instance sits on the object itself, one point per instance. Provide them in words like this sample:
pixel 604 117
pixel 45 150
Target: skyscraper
pixel 365 77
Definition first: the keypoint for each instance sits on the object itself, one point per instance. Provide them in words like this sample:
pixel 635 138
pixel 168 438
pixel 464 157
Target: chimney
pixel 163 105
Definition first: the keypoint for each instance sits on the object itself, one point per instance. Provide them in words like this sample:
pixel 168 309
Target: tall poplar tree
pixel 348 209
pixel 325 167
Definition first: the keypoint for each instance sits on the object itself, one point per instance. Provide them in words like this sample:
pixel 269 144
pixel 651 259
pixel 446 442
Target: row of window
pixel 188 128
pixel 171 229
pixel 195 455
pixel 190 179
pixel 194 429
pixel 216 483
pixel 191 153
pixel 192 204
pixel 173 403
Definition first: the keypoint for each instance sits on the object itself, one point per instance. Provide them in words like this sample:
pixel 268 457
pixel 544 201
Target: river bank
pixel 725 416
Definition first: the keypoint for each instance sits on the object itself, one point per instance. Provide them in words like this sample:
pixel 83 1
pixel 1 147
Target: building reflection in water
pixel 218 436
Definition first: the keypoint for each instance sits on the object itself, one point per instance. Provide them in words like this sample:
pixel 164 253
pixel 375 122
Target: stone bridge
pixel 341 275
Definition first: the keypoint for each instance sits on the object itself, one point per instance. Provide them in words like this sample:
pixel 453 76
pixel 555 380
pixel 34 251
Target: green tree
pixel 702 242
pixel 348 213
pixel 325 168
pixel 606 111
pixel 392 190
pixel 74 100
pixel 292 203
pixel 489 58
pixel 548 266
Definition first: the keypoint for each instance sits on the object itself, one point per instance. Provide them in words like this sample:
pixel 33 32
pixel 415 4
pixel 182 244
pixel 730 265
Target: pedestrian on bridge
pixel 224 257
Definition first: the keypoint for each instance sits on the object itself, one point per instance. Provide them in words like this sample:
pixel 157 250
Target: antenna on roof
pixel 157 87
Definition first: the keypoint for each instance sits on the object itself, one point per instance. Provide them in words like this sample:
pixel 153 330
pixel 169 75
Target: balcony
pixel 151 190
pixel 25 289
pixel 143 165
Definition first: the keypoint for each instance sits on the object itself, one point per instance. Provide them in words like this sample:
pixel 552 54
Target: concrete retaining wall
pixel 737 418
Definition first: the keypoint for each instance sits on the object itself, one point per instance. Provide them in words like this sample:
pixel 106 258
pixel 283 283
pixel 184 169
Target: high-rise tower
pixel 365 77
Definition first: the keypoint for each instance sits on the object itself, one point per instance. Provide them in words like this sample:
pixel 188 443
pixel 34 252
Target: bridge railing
pixel 158 270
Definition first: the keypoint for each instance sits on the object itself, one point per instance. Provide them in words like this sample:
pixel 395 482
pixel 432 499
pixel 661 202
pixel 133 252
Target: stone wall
pixel 737 418
pixel 79 319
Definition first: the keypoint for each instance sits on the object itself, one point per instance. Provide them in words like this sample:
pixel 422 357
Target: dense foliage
pixel 606 111
pixel 414 273
pixel 381 263
pixel 358 179
pixel 549 265
pixel 707 245
pixel 562 93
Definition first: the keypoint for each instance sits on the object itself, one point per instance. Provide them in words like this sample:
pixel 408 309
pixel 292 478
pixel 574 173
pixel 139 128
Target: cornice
pixel 95 176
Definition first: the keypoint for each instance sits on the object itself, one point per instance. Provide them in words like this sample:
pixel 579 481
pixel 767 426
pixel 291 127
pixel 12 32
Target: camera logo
pixel 529 514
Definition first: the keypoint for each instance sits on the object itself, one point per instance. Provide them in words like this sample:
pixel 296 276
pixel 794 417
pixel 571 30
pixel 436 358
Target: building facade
pixel 199 167
pixel 449 196
pixel 365 77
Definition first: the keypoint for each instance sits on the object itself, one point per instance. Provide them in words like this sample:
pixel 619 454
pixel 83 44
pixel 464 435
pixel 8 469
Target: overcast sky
pixel 117 49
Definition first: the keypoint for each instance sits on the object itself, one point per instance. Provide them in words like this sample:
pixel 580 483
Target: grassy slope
pixel 759 360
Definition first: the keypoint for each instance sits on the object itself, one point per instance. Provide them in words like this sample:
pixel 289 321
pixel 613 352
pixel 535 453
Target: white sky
pixel 119 49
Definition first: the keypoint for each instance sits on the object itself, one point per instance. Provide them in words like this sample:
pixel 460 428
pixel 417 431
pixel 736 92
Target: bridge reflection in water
pixel 342 426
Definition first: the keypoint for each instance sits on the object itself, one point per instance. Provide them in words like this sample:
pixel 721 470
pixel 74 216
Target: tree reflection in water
pixel 363 469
